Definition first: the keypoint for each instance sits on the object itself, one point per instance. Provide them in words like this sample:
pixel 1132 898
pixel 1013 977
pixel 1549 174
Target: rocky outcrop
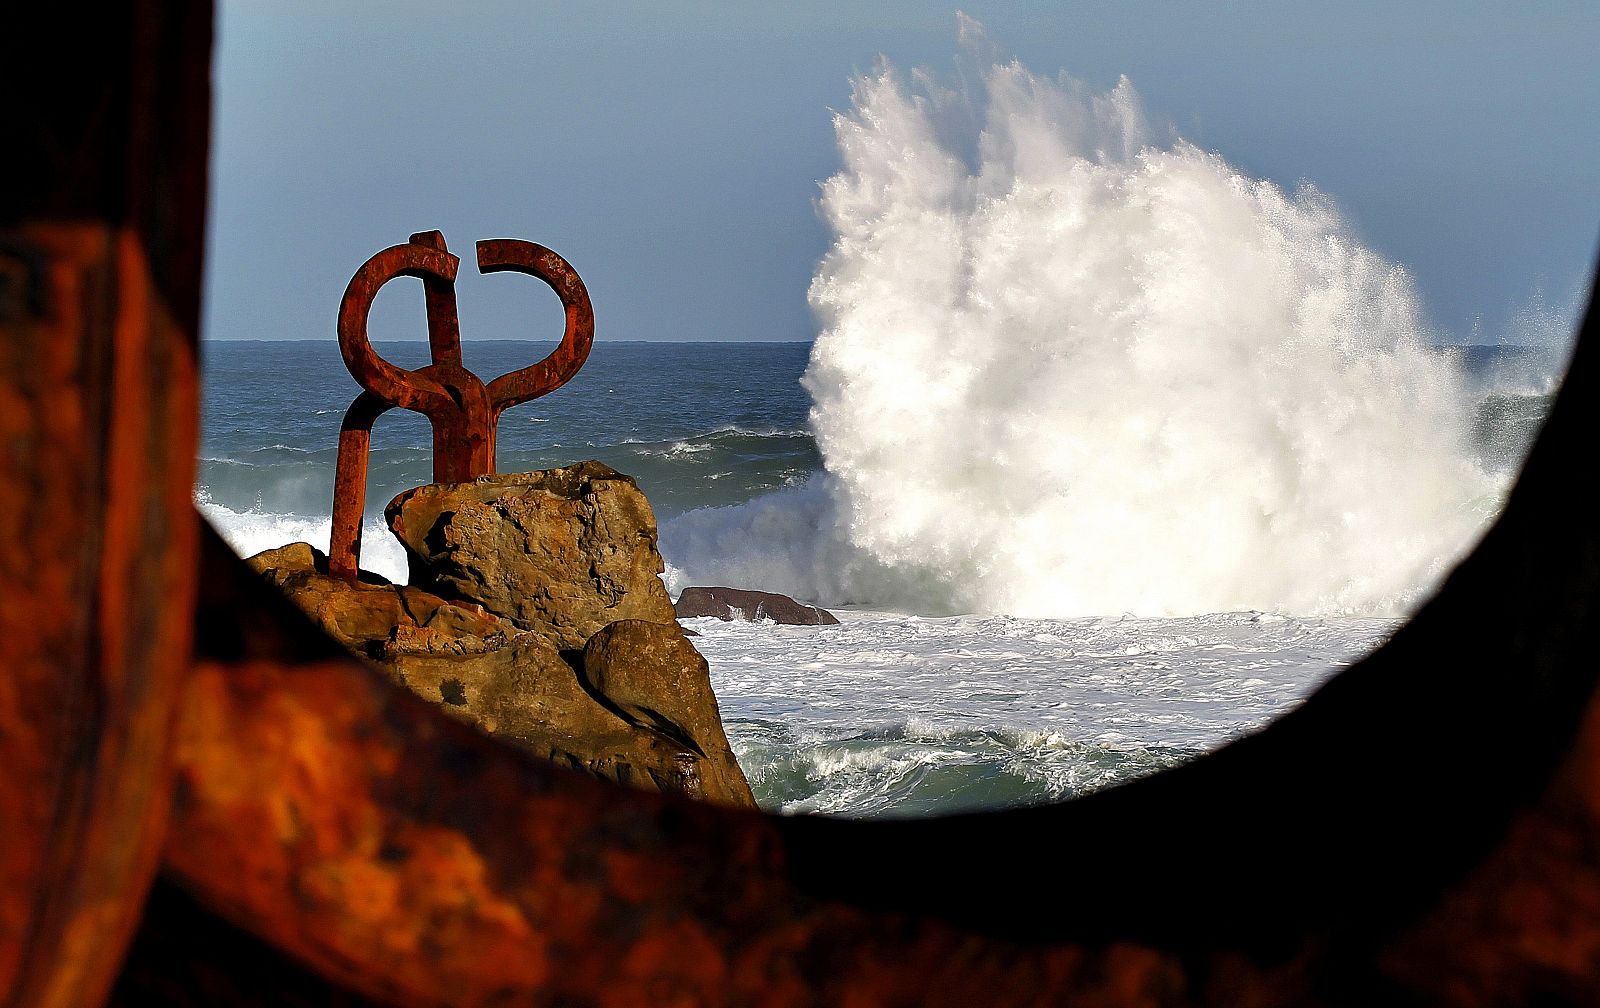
pixel 737 603
pixel 560 553
pixel 649 675
pixel 631 702
pixel 373 617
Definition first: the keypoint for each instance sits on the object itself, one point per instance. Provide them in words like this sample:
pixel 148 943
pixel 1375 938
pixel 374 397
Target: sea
pixel 1104 452
pixel 900 710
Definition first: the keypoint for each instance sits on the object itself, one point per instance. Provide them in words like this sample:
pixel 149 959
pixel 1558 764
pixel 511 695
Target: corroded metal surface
pixel 1425 830
pixel 464 412
pixel 99 299
pixel 91 652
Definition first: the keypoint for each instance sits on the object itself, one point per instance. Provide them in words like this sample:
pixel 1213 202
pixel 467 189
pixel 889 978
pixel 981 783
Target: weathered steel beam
pixel 101 228
pixel 350 484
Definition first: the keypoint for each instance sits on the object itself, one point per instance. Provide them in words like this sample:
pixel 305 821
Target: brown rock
pixel 738 603
pixel 660 731
pixel 561 553
pixel 651 676
pixel 297 556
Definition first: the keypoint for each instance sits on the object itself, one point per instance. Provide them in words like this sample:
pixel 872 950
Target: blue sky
pixel 672 151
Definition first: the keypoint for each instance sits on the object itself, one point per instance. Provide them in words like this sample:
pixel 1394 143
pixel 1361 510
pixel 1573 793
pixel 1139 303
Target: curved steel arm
pixel 514 255
pixel 408 389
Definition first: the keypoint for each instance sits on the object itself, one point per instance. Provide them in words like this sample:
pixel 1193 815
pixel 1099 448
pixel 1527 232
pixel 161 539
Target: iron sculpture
pixel 464 412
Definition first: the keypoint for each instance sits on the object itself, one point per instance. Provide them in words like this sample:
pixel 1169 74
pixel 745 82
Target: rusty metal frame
pixel 464 412
pixel 1424 830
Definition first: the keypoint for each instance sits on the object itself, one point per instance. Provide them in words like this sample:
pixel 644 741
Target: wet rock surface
pixel 630 701
pixel 741 604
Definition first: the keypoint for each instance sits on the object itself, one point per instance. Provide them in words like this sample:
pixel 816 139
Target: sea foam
pixel 887 714
pixel 250 532
pixel 1064 369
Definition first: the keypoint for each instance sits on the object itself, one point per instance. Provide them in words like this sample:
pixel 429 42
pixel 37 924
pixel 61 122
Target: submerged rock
pixel 738 603
pixel 560 664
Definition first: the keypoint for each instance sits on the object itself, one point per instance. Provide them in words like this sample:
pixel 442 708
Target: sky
pixel 672 152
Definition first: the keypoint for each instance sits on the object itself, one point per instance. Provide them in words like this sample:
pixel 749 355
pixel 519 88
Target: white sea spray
pixel 1066 370
pixel 250 532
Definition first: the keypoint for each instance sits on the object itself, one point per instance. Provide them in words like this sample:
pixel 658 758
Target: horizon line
pixel 302 339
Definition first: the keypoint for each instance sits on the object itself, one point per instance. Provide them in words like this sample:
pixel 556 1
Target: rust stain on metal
pixel 464 412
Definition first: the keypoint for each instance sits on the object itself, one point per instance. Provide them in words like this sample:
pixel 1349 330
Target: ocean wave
pixel 894 714
pixel 1065 370
pixel 726 432
pixel 910 769
pixel 678 448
